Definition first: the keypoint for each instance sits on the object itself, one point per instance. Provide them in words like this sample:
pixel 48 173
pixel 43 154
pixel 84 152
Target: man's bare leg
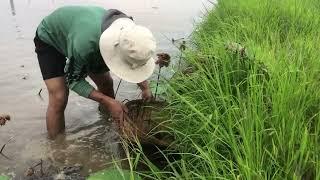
pixel 58 99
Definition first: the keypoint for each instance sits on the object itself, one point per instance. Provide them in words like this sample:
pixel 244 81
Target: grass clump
pixel 252 116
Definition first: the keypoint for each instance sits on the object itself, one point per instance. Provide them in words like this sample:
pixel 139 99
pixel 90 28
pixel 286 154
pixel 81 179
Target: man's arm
pixel 76 82
pixel 104 83
pixel 99 73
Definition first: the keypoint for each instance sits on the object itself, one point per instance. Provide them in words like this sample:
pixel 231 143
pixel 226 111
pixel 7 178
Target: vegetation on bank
pixel 248 110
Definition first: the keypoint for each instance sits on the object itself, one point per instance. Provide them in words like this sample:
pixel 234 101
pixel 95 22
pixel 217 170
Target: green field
pixel 249 110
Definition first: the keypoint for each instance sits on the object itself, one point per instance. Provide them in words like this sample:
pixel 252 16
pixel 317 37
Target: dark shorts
pixel 51 61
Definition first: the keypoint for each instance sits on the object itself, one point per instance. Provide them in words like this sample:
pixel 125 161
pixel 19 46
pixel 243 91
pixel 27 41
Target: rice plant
pixel 249 107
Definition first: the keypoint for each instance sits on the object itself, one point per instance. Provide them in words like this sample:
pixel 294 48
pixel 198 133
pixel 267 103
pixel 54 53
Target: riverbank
pixel 249 107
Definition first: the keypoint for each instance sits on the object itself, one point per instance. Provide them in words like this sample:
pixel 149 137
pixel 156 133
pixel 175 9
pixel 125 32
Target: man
pixel 78 41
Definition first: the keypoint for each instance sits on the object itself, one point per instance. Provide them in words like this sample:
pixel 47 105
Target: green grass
pixel 233 121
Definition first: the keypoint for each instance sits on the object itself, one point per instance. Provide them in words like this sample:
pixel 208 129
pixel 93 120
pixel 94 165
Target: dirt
pixel 4 118
pixel 46 171
pixel 163 59
pixel 141 123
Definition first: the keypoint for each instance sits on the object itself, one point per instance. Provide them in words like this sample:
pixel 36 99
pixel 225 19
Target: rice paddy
pixel 249 106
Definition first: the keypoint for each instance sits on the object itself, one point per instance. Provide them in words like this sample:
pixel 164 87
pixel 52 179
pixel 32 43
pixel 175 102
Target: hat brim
pixel 111 56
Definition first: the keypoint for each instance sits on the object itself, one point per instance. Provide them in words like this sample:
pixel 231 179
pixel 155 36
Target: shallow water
pixel 90 138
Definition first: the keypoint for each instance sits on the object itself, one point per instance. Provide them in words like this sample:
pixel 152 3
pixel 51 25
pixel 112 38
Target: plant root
pixel 4 118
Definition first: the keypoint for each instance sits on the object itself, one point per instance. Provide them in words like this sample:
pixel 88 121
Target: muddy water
pixel 90 139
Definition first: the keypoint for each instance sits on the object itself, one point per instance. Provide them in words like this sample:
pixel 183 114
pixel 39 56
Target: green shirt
pixel 75 31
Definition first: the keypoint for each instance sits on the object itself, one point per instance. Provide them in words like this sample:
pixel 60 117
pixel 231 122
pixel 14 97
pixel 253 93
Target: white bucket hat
pixel 127 50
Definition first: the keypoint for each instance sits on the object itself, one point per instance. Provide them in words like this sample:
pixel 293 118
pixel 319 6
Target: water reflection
pixel 13 10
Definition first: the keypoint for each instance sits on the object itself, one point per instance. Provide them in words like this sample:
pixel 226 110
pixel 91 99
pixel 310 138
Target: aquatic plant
pixel 4 118
pixel 163 61
pixel 114 174
pixel 4 177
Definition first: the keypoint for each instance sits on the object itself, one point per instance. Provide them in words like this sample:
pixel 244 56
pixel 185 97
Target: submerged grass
pixel 252 117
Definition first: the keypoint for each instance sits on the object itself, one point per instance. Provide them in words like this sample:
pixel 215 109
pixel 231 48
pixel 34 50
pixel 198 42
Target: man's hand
pixel 115 108
pixel 147 95
pixel 146 92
